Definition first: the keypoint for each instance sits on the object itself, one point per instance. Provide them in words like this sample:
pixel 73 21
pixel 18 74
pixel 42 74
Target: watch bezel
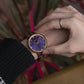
pixel 28 41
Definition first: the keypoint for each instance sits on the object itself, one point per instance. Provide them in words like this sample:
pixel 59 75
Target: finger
pixel 56 37
pixel 48 26
pixel 76 9
pixel 64 48
pixel 68 55
pixel 72 8
pixel 68 12
pixel 64 9
pixel 54 24
pixel 54 16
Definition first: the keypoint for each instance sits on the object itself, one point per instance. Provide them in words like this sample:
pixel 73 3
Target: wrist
pixel 24 42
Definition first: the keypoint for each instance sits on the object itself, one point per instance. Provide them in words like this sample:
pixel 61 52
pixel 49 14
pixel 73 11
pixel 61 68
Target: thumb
pixel 63 48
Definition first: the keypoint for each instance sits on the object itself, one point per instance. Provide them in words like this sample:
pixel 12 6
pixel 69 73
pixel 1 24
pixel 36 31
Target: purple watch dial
pixel 37 42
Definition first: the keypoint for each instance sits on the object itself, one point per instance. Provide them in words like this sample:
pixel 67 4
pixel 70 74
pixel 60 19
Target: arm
pixel 14 59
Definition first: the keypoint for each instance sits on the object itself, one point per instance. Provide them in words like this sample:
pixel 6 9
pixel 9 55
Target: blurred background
pixel 14 23
pixel 14 16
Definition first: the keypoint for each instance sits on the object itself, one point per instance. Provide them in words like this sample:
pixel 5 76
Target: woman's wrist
pixel 24 42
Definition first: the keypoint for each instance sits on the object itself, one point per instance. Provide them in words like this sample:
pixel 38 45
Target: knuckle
pixel 69 6
pixel 58 9
pixel 51 16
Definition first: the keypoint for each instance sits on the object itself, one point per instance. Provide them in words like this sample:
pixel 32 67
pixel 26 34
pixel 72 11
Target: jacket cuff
pixel 14 59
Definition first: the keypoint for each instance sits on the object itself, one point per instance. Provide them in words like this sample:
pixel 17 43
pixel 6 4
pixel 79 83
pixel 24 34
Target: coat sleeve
pixel 14 59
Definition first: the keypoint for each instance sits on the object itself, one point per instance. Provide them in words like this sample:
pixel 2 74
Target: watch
pixel 37 43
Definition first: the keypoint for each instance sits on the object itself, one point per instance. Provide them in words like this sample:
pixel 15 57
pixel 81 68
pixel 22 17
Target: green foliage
pixel 12 12
pixel 5 30
pixel 41 10
pixel 18 1
pixel 40 7
pixel 63 61
pixel 52 3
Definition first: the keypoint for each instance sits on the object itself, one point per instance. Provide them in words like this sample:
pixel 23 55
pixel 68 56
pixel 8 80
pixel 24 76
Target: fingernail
pixel 46 52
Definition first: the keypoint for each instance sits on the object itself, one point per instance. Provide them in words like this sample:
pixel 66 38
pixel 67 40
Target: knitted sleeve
pixel 14 59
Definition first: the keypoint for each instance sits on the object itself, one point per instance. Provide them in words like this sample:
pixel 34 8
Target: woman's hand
pixel 74 22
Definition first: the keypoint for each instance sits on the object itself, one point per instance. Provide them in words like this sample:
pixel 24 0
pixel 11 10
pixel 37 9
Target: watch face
pixel 37 43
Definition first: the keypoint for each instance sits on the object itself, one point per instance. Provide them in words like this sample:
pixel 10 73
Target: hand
pixel 74 23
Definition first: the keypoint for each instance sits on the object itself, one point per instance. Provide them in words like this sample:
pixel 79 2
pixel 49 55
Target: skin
pixel 73 21
pixel 24 42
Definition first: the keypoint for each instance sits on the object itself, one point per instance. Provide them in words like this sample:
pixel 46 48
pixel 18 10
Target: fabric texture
pixel 14 59
pixel 2 81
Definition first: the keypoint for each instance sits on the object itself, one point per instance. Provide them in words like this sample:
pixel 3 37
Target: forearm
pixel 14 59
